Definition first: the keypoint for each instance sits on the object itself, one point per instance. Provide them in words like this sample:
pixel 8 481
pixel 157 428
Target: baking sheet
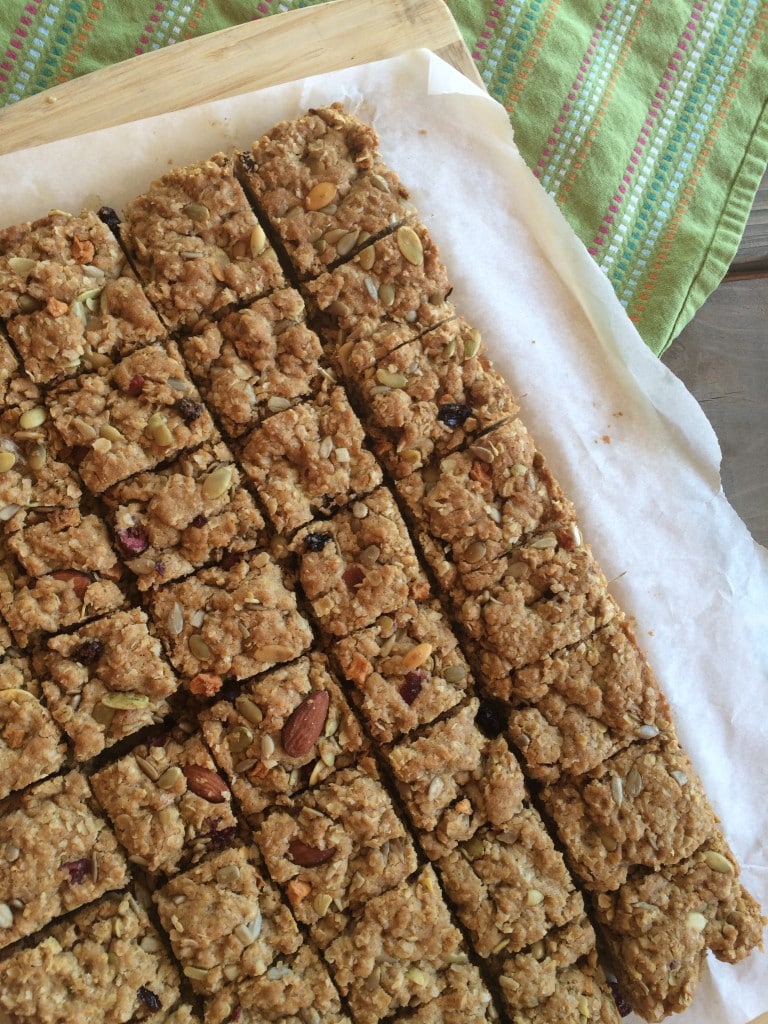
pixel 624 437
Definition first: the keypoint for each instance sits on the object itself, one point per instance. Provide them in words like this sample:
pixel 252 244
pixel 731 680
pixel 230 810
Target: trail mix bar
pixel 658 927
pixel 226 922
pixel 255 361
pixel 229 622
pixel 478 503
pixel 575 708
pixel 166 802
pixel 142 412
pixel 196 244
pixel 336 847
pixel 294 990
pixel 426 398
pixel 407 669
pixel 58 855
pixel 400 278
pixel 453 779
pixel 286 730
pixel 359 564
pixel 105 681
pixel 57 572
pixel 400 952
pixel 322 186
pixel 105 965
pixel 35 464
pixel 310 461
pixel 558 979
pixel 31 745
pixel 72 302
pixel 174 519
pixel 645 806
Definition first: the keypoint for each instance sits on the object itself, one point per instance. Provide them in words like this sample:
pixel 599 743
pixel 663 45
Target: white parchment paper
pixel 626 440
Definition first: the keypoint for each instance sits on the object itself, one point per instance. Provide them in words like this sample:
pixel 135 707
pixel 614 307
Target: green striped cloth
pixel 645 119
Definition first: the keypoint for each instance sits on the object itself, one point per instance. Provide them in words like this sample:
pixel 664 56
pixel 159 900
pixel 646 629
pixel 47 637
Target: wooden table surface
pixel 722 356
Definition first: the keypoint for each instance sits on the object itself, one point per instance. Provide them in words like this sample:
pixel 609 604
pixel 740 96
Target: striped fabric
pixel 644 119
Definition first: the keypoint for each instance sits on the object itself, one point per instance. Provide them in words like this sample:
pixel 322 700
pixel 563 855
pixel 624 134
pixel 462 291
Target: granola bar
pixel 142 412
pixel 286 730
pixel 196 244
pixel 59 855
pixel 255 361
pixel 225 921
pixel 105 681
pixel 167 804
pixel 229 622
pixel 322 186
pixel 188 514
pixel 309 461
pixel 106 964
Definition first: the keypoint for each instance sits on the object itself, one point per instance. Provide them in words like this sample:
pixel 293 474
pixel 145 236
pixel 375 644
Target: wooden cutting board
pixel 267 52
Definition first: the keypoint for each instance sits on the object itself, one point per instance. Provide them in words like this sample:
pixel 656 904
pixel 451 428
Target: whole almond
pixel 80 580
pixel 307 856
pixel 304 727
pixel 206 783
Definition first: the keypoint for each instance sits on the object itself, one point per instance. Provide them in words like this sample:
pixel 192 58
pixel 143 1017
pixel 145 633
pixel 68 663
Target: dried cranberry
pixel 133 540
pixel 199 521
pixel 316 541
pixel 491 718
pixel 78 869
pixel 236 1015
pixel 230 559
pixel 88 652
pixel 453 414
pixel 218 838
pixel 411 688
pixel 189 410
pixel 148 998
pixel 353 576
pixel 135 385
pixel 621 1003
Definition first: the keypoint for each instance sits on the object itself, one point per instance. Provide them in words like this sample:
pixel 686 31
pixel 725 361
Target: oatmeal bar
pixel 255 361
pixel 558 979
pixel 59 571
pixel 509 886
pixel 576 708
pixel 294 990
pixel 105 681
pixel 229 622
pixel 310 461
pixel 182 516
pixel 320 183
pixel 359 564
pixel 225 921
pixel 399 278
pixel 35 464
pixel 143 411
pixel 166 802
pixel 549 595
pixel 286 730
pixel 477 504
pixel 105 965
pixel 31 745
pixel 658 927
pixel 435 393
pixel 196 244
pixel 62 855
pixel 335 848
pixel 399 952
pixel 454 779
pixel 407 669
pixel 645 806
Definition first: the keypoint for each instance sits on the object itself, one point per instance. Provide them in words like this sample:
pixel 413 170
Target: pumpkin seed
pixel 111 433
pixel 347 242
pixel 320 195
pixel 472 344
pixel 717 862
pixel 150 770
pixel 455 674
pixel 218 482
pixel 475 552
pixel 278 404
pixel 250 711
pixel 7 461
pixel 367 257
pixel 239 739
pixel 125 701
pixel 391 380
pixel 633 785
pixel 198 648
pixel 33 418
pixel 197 212
pixel 170 777
pixel 387 293
pixel 20 265
pixel 409 244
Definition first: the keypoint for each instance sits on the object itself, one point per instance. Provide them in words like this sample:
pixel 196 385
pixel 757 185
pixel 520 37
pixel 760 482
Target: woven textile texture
pixel 646 120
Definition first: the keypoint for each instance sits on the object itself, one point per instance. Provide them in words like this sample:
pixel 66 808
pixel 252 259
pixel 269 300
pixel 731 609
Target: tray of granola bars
pixel 338 674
